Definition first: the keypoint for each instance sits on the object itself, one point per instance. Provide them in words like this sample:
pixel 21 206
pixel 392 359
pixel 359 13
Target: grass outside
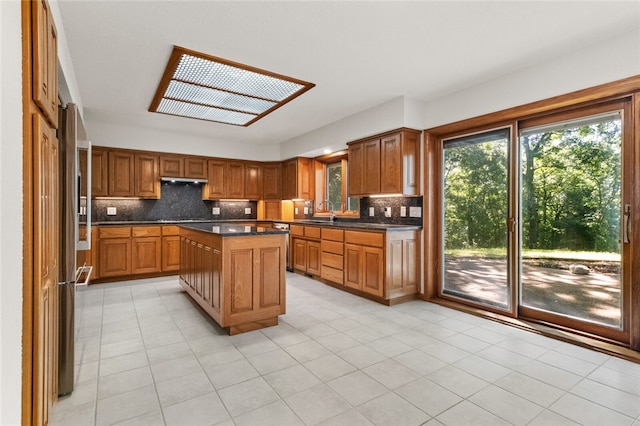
pixel 585 256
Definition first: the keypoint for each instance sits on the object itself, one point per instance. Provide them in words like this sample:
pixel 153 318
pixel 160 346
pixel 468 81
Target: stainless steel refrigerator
pixel 75 215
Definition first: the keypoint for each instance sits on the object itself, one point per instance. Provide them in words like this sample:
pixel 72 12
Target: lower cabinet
pixel 381 264
pixel 121 251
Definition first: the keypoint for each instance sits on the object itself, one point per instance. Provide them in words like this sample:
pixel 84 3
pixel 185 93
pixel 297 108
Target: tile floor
pixel 145 355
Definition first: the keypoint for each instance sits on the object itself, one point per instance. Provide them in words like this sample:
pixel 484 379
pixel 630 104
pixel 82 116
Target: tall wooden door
pixel 45 239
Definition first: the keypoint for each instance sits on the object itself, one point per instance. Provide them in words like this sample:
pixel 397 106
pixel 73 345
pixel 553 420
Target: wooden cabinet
pixel 306 249
pixel 147 177
pixel 297 179
pixel 121 174
pixel 364 261
pixel 99 172
pixel 146 249
pixel 238 280
pixel 332 251
pixel 272 181
pixel 181 166
pixel 114 251
pixel 45 61
pixel 385 164
pixel 252 180
pixel 234 179
pixel 170 248
pixel 215 189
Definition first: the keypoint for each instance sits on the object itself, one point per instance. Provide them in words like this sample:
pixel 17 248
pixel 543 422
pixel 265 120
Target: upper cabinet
pixel 385 164
pixel 181 166
pixel 233 179
pixel 45 61
pixel 297 179
pixel 272 181
pixel 253 180
pixel 124 173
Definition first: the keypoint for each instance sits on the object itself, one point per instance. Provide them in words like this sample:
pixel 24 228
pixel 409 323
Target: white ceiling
pixel 359 54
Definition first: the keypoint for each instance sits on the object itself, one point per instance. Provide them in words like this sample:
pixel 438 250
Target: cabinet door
pixel 171 166
pixel 272 181
pixel 45 61
pixel 253 181
pixel 313 257
pixel 289 179
pixel 121 174
pixel 373 270
pixel 195 168
pixel 215 187
pixel 371 171
pixel 115 257
pixel 304 176
pixel 147 179
pixel 171 253
pixel 234 177
pixel 391 157
pixel 353 266
pixel 99 172
pixel 299 254
pixel 146 255
pixel 355 168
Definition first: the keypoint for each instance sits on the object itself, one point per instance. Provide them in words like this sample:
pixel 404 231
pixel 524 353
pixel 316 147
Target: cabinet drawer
pixel 296 230
pixel 170 230
pixel 373 239
pixel 332 260
pixel 333 234
pixel 312 232
pixel 114 232
pixel 332 247
pixel 333 275
pixel 146 231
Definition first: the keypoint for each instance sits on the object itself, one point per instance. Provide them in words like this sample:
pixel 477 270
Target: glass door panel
pixel 571 211
pixel 476 205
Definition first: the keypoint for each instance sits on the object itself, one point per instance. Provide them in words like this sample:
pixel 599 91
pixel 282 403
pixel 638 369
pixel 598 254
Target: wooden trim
pixel 598 93
pixel 634 338
pixel 27 222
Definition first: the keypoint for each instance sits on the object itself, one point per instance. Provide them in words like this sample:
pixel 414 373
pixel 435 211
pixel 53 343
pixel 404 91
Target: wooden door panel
pixel 391 171
pixel 147 255
pixel 115 257
pixel 241 283
pixel 268 276
pixel 272 181
pixel 353 266
pixel 373 271
pixel 195 168
pixel 355 168
pixel 371 169
pixel 121 174
pixel 253 181
pixel 313 257
pixel 235 179
pixel 147 178
pixel 171 253
pixel 171 166
pixel 215 187
pixel 299 254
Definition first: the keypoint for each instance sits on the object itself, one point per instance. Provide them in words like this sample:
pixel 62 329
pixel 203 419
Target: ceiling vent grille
pixel 205 87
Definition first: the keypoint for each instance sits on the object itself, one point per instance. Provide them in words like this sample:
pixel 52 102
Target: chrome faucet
pixel 329 204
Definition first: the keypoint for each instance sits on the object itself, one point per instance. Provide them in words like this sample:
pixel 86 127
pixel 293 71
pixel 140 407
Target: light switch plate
pixel 295 211
pixel 306 210
pixel 111 211
pixel 247 210
pixel 372 211
pixel 215 210
pixel 403 211
pixel 415 211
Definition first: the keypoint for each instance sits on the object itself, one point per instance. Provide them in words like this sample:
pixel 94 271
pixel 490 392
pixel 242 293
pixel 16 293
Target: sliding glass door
pixel 476 195
pixel 535 224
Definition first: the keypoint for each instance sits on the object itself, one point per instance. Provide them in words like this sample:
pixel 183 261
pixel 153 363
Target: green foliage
pixel 570 186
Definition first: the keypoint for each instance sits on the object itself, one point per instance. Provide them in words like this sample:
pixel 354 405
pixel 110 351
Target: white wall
pixel 10 212
pixel 605 62
pixel 115 135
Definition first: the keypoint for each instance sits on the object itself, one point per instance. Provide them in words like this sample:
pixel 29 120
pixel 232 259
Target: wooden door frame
pixel 624 88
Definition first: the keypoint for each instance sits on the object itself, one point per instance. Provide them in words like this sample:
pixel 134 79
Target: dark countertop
pixel 232 229
pixel 356 225
pixel 341 224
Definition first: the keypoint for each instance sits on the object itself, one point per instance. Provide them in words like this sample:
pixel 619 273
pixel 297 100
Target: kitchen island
pixel 236 273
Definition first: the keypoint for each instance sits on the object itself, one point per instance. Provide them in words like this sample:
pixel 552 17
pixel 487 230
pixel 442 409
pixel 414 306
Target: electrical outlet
pixel 295 210
pixel 415 211
pixel 403 211
pixel 387 212
pixel 111 211
pixel 215 210
pixel 247 210
pixel 306 210
pixel 372 211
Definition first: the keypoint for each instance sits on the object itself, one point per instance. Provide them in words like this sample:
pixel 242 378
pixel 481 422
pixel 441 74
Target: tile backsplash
pixel 395 204
pixel 178 201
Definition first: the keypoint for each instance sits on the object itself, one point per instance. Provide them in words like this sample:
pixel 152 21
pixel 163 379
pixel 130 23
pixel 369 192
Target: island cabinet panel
pixel 242 277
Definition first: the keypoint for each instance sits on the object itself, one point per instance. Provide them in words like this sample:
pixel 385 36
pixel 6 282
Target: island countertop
pixel 232 229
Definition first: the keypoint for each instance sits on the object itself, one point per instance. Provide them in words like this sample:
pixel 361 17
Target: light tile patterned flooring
pixel 145 355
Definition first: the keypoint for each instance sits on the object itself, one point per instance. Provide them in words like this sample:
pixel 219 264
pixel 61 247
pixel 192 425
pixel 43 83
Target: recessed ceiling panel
pixel 197 85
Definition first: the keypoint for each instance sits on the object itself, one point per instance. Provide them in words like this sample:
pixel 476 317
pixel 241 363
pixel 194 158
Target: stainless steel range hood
pixel 182 180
